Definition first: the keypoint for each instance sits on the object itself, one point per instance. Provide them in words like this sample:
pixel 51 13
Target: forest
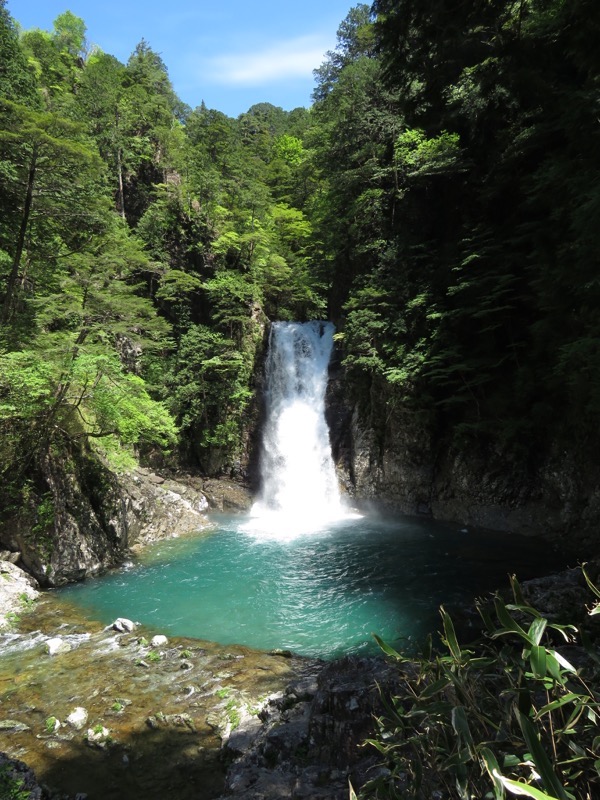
pixel 439 201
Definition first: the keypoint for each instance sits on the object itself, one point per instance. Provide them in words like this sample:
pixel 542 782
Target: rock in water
pixel 123 625
pixel 78 718
pixel 56 646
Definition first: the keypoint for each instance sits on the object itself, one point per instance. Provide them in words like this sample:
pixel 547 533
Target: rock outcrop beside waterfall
pixel 82 518
pixel 397 460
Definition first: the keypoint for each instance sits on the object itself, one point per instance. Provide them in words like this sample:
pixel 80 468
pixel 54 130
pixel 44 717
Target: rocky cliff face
pixel 80 518
pixel 394 459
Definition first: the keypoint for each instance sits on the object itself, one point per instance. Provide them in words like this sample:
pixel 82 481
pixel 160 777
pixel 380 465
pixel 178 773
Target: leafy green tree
pixel 56 179
pixel 16 81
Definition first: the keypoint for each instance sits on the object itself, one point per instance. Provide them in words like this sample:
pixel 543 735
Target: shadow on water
pixel 147 765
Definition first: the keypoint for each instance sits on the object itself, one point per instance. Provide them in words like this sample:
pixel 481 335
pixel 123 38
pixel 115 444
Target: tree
pixel 56 180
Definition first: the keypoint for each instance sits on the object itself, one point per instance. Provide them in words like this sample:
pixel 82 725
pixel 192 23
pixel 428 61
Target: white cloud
pixel 293 58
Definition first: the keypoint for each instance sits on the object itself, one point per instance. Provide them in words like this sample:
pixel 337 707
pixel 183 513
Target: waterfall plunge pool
pixel 322 593
pixel 300 573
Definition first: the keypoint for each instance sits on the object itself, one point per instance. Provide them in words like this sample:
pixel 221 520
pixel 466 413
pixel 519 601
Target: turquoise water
pixel 321 594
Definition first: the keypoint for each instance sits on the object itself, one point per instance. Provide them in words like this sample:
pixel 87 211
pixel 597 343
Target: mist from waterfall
pixel 299 487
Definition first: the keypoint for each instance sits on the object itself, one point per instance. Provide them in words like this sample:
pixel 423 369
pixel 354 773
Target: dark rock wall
pixel 396 459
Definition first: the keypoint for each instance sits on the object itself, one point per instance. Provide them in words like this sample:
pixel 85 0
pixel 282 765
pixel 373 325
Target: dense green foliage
pixel 438 200
pixel 143 245
pixel 507 715
pixel 461 158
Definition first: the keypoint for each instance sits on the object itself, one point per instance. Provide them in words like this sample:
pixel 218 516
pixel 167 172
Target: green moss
pixel 154 656
pixel 11 788
pixel 233 714
pixel 50 724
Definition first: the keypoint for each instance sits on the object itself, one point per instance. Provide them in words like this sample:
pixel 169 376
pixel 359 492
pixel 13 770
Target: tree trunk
pixel 14 273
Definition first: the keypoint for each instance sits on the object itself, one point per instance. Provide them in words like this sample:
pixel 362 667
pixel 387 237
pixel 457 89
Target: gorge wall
pixel 79 518
pixel 391 457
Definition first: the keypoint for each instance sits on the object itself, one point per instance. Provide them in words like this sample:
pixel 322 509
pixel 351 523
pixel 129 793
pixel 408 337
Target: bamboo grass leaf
pixel 461 727
pixel 540 758
pixel 537 660
pixel 536 629
pixel 517 787
pixel 510 624
pixel 388 649
pixel 592 586
pixel 563 661
pixel 450 635
pixel 434 688
pixel 491 765
pixel 557 704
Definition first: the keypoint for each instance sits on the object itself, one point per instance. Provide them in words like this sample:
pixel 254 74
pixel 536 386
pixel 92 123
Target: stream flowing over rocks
pixel 133 714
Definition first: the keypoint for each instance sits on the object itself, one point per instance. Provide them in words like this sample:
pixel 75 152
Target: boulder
pixel 123 625
pixel 78 718
pixel 57 645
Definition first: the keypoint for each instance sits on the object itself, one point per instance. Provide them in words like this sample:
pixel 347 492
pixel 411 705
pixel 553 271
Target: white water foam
pixel 300 491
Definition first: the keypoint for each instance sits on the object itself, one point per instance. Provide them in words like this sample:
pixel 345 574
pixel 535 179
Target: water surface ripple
pixel 323 593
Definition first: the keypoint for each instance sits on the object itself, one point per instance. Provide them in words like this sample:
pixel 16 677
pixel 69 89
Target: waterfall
pixel 299 488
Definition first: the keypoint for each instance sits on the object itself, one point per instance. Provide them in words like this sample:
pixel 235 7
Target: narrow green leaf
pixel 567 698
pixel 516 787
pixel 434 688
pixel 460 724
pixel 516 590
pixel 450 635
pixel 537 660
pixel 563 661
pixel 510 625
pixel 491 765
pixel 536 629
pixel 553 667
pixel 387 649
pixel 589 582
pixel 540 758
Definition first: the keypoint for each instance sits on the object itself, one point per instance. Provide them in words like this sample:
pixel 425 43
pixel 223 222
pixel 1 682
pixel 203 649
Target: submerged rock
pixel 78 718
pixel 13 725
pixel 98 736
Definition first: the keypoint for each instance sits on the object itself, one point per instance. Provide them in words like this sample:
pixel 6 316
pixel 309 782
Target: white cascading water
pixel 300 490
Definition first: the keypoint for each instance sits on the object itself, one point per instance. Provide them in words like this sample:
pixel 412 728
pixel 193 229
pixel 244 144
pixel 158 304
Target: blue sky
pixel 229 53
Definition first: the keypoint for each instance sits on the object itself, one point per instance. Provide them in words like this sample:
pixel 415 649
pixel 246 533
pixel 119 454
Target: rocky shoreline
pixel 144 716
pixel 152 507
